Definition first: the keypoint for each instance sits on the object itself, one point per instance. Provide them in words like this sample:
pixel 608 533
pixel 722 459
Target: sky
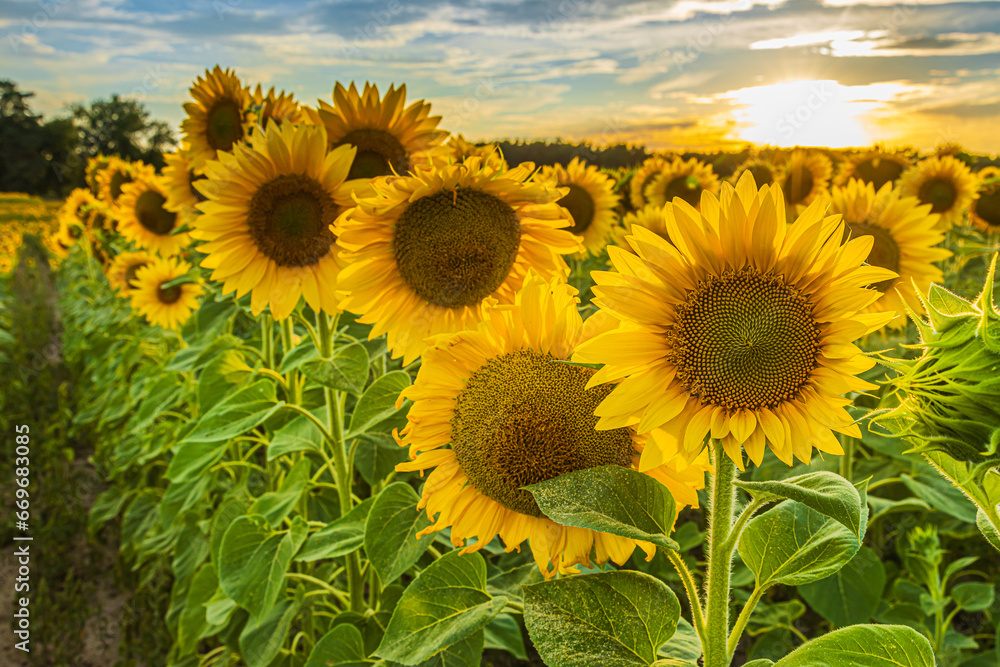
pixel 675 74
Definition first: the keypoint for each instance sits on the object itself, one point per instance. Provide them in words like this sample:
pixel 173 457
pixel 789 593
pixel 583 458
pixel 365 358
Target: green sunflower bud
pixel 948 399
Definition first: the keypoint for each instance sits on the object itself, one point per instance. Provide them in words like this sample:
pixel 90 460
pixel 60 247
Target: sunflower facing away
pixel 945 183
pixel 493 412
pixel 686 179
pixel 742 331
pixel 764 171
pixel 112 180
pixel 178 179
pixel 278 107
pixel 268 215
pixel 590 201
pixel 144 219
pixel 804 178
pixel 388 134
pixel 875 167
pixel 458 148
pixel 219 117
pixel 426 251
pixel 122 271
pixel 984 212
pixel 168 307
pixel 904 236
pixel 640 179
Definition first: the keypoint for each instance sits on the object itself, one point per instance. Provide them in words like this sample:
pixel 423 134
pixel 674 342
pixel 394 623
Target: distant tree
pixel 22 163
pixel 121 127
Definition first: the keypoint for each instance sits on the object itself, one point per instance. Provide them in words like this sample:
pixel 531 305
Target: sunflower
pixel 684 179
pixel 144 219
pixel 426 250
pixel 637 184
pixel 95 166
pixel 804 177
pixel 512 417
pixel 279 107
pixel 178 179
pixel 457 149
pixel 219 117
pixel 119 173
pixel 904 240
pixel 742 331
pixel 122 271
pixel 591 201
pixel 943 182
pixel 984 212
pixel 764 171
pixel 268 215
pixel 99 220
pixel 168 307
pixel 988 173
pixel 875 167
pixel 71 212
pixel 388 134
pixel 651 217
pixel 71 230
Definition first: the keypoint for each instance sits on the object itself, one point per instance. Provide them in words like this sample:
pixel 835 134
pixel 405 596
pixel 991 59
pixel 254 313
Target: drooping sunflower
pixel 268 215
pixel 278 107
pixel 591 201
pixel 804 178
pixel 427 250
pixel 219 117
pixel 905 241
pixel 178 179
pixel 741 330
pixel 71 212
pixel 945 183
pixel 640 179
pixel 122 271
pixel 876 167
pixel 144 219
pixel 119 173
pixel 686 179
pixel 388 135
pixel 494 411
pixel 984 211
pixel 168 307
pixel 764 171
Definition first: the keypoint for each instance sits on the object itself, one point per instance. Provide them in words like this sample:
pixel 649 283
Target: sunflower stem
pixel 691 588
pixel 267 339
pixel 722 499
pixel 344 476
pixel 847 460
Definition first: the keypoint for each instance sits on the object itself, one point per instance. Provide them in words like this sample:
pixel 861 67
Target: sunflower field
pixel 362 392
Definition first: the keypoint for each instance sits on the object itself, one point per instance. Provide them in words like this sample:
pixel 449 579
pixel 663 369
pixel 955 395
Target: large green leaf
pixel 236 414
pixel 338 538
pixel 298 435
pixel 988 530
pixel 864 646
pixel 852 594
pixel 253 561
pixel 346 371
pixel 610 499
pixel 793 544
pixel 377 455
pixel 391 532
pixel 973 595
pixel 941 495
pixel 159 397
pixel 378 403
pixel 301 353
pixel 826 492
pixel 342 646
pixel 276 505
pixel 224 373
pixel 613 619
pixel 504 633
pixel 193 625
pixel 444 604
pixel 261 642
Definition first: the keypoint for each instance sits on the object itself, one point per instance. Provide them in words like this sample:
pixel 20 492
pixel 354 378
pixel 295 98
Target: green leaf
pixel 684 645
pixel 988 530
pixel 504 633
pixel 378 403
pixel 941 495
pixel 105 507
pixel 224 373
pixel 826 492
pixel 253 561
pixel 443 605
pixel 230 510
pixel 377 455
pixel 850 595
pixel 973 596
pixel 338 538
pixel 298 435
pixel 610 499
pixel 864 646
pixel 193 624
pixel 237 414
pixel 342 646
pixel 793 544
pixel 391 532
pixel 346 371
pixel 159 397
pixel 261 642
pixel 276 505
pixel 762 662
pixel 304 351
pixel 613 619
